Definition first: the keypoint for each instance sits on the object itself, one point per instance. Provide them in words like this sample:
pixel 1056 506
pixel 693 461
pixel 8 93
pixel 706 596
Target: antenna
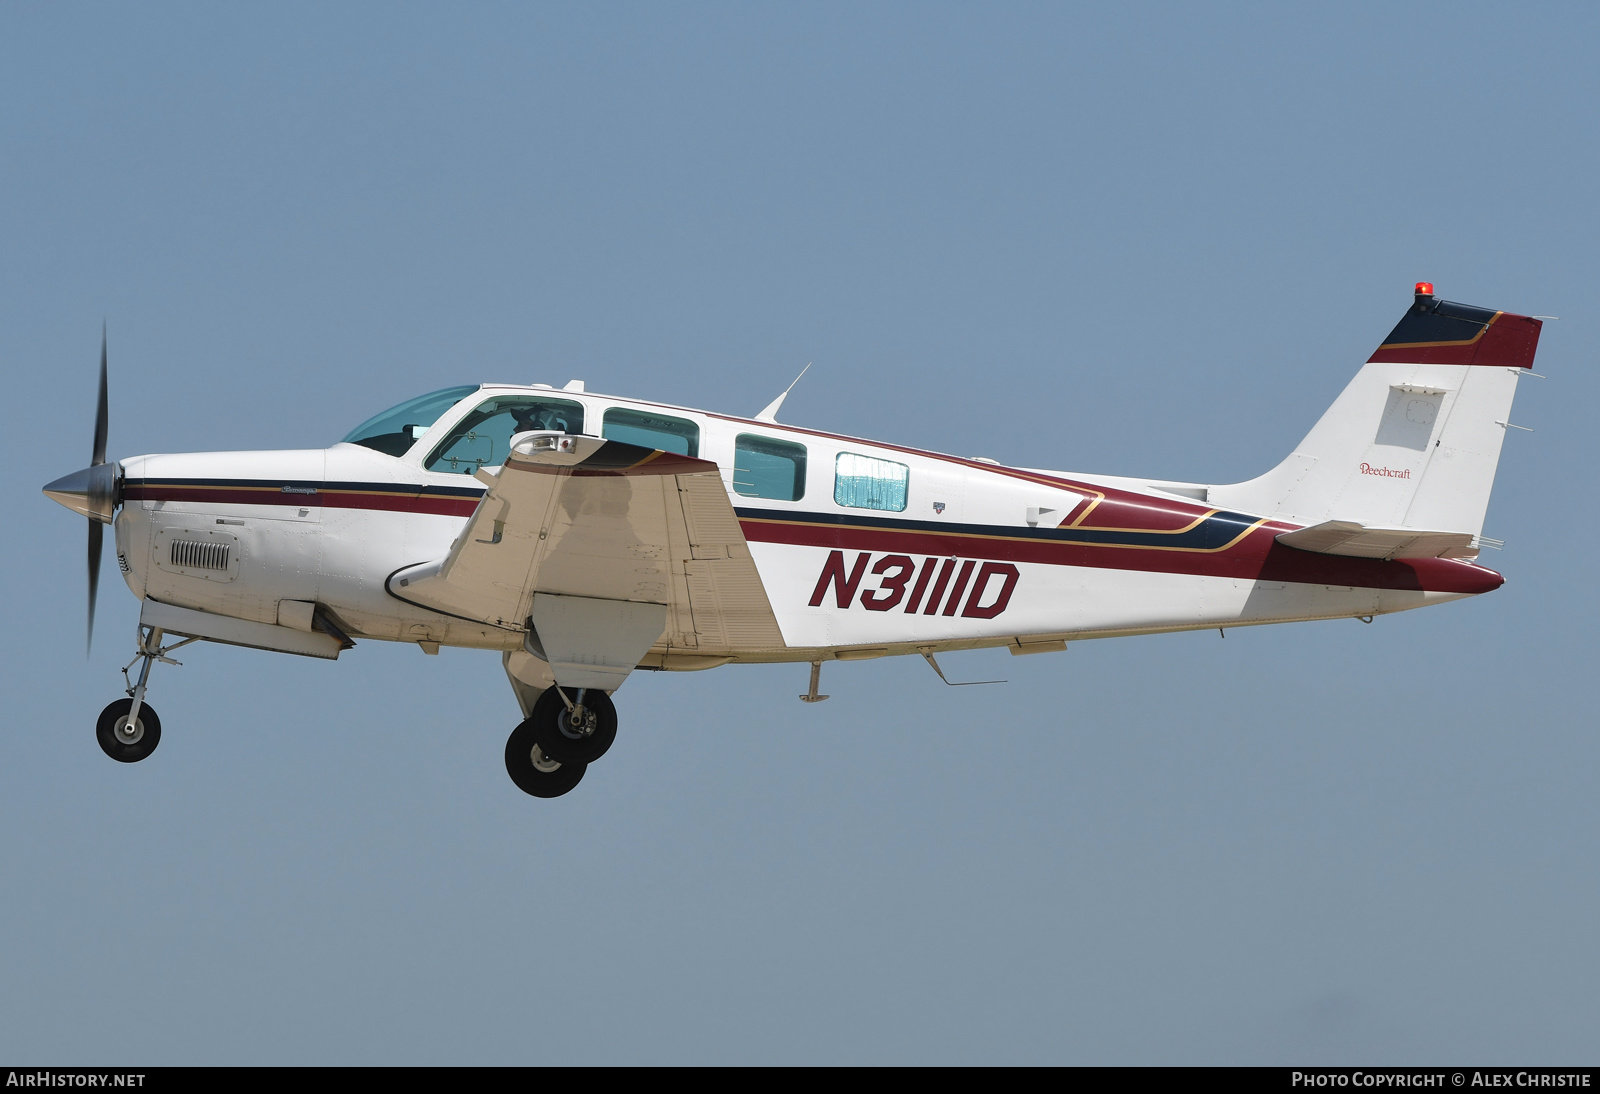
pixel 927 652
pixel 770 414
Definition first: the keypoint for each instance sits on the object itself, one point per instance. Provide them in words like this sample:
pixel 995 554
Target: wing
pixel 570 519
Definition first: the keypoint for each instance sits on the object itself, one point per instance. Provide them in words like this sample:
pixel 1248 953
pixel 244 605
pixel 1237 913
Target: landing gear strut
pixel 129 729
pixel 549 752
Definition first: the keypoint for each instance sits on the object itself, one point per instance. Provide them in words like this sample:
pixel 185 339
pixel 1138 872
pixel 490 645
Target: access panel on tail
pixel 1409 449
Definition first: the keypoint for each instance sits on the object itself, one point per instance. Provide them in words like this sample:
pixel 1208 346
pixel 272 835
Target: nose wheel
pixel 124 740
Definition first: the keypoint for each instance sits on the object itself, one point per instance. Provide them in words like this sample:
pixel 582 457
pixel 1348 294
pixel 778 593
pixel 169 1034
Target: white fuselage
pixel 979 555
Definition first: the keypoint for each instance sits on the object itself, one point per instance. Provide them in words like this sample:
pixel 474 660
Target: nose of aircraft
pixel 91 492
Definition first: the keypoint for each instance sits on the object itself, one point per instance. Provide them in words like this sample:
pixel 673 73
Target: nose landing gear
pixel 129 729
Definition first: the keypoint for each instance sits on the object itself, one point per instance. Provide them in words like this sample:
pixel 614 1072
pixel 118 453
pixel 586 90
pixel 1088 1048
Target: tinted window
pixel 862 482
pixel 765 468
pixel 652 431
pixel 394 431
pixel 483 437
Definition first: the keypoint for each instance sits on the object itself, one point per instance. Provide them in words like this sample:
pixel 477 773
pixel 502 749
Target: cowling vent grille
pixel 189 554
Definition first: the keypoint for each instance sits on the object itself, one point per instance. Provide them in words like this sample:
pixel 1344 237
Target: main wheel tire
pixel 566 743
pixel 533 771
pixel 122 743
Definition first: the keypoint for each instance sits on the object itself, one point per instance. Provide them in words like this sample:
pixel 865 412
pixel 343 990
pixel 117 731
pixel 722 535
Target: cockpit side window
pixel 483 437
pixel 661 431
pixel 394 431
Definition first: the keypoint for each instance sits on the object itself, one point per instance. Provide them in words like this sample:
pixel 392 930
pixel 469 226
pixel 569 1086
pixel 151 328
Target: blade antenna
pixel 770 414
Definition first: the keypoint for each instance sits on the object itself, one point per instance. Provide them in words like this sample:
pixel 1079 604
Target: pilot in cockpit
pixel 542 418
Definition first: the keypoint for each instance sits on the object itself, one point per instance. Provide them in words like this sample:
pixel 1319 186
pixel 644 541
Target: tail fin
pixel 1413 442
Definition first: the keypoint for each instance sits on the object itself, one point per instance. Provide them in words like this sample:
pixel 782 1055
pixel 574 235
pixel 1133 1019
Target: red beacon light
pixel 1424 288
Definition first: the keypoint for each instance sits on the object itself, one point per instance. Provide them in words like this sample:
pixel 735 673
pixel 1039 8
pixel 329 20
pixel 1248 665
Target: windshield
pixel 394 431
pixel 483 437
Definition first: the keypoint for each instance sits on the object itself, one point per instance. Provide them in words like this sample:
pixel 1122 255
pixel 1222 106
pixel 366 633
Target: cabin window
pixel 652 431
pixel 863 482
pixel 483 437
pixel 394 431
pixel 767 468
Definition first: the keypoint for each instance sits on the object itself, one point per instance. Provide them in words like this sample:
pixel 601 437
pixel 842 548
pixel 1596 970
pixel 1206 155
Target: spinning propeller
pixel 95 491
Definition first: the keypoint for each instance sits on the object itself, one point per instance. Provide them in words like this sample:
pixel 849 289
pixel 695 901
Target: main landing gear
pixel 547 754
pixel 129 729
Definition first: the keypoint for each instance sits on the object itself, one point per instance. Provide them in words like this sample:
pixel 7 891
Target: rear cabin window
pixel 767 468
pixel 862 482
pixel 483 437
pixel 652 431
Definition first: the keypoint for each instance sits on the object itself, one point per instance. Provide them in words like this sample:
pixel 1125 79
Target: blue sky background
pixel 1140 239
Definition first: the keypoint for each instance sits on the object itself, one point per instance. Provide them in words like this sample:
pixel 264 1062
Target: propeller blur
pixel 93 491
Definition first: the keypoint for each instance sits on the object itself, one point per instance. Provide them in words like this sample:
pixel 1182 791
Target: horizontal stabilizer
pixel 1356 540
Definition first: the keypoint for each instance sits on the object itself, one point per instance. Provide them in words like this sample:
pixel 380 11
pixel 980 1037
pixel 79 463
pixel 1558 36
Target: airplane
pixel 584 537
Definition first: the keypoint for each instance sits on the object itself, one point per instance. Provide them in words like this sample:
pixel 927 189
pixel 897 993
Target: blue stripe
pixel 1217 530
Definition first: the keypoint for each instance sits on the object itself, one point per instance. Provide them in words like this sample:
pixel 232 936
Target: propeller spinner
pixel 95 491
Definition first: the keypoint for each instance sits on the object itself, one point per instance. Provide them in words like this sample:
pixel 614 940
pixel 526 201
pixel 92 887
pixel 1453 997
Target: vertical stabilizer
pixel 1414 440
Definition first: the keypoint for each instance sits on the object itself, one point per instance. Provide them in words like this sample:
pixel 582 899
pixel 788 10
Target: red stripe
pixel 1257 556
pixel 395 503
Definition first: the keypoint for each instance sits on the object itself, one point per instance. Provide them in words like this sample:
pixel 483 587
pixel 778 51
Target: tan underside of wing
pixel 611 522
pixel 727 606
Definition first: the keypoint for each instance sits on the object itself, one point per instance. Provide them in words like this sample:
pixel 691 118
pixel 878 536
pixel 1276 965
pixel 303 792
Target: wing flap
pixel 1355 540
pixel 728 602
